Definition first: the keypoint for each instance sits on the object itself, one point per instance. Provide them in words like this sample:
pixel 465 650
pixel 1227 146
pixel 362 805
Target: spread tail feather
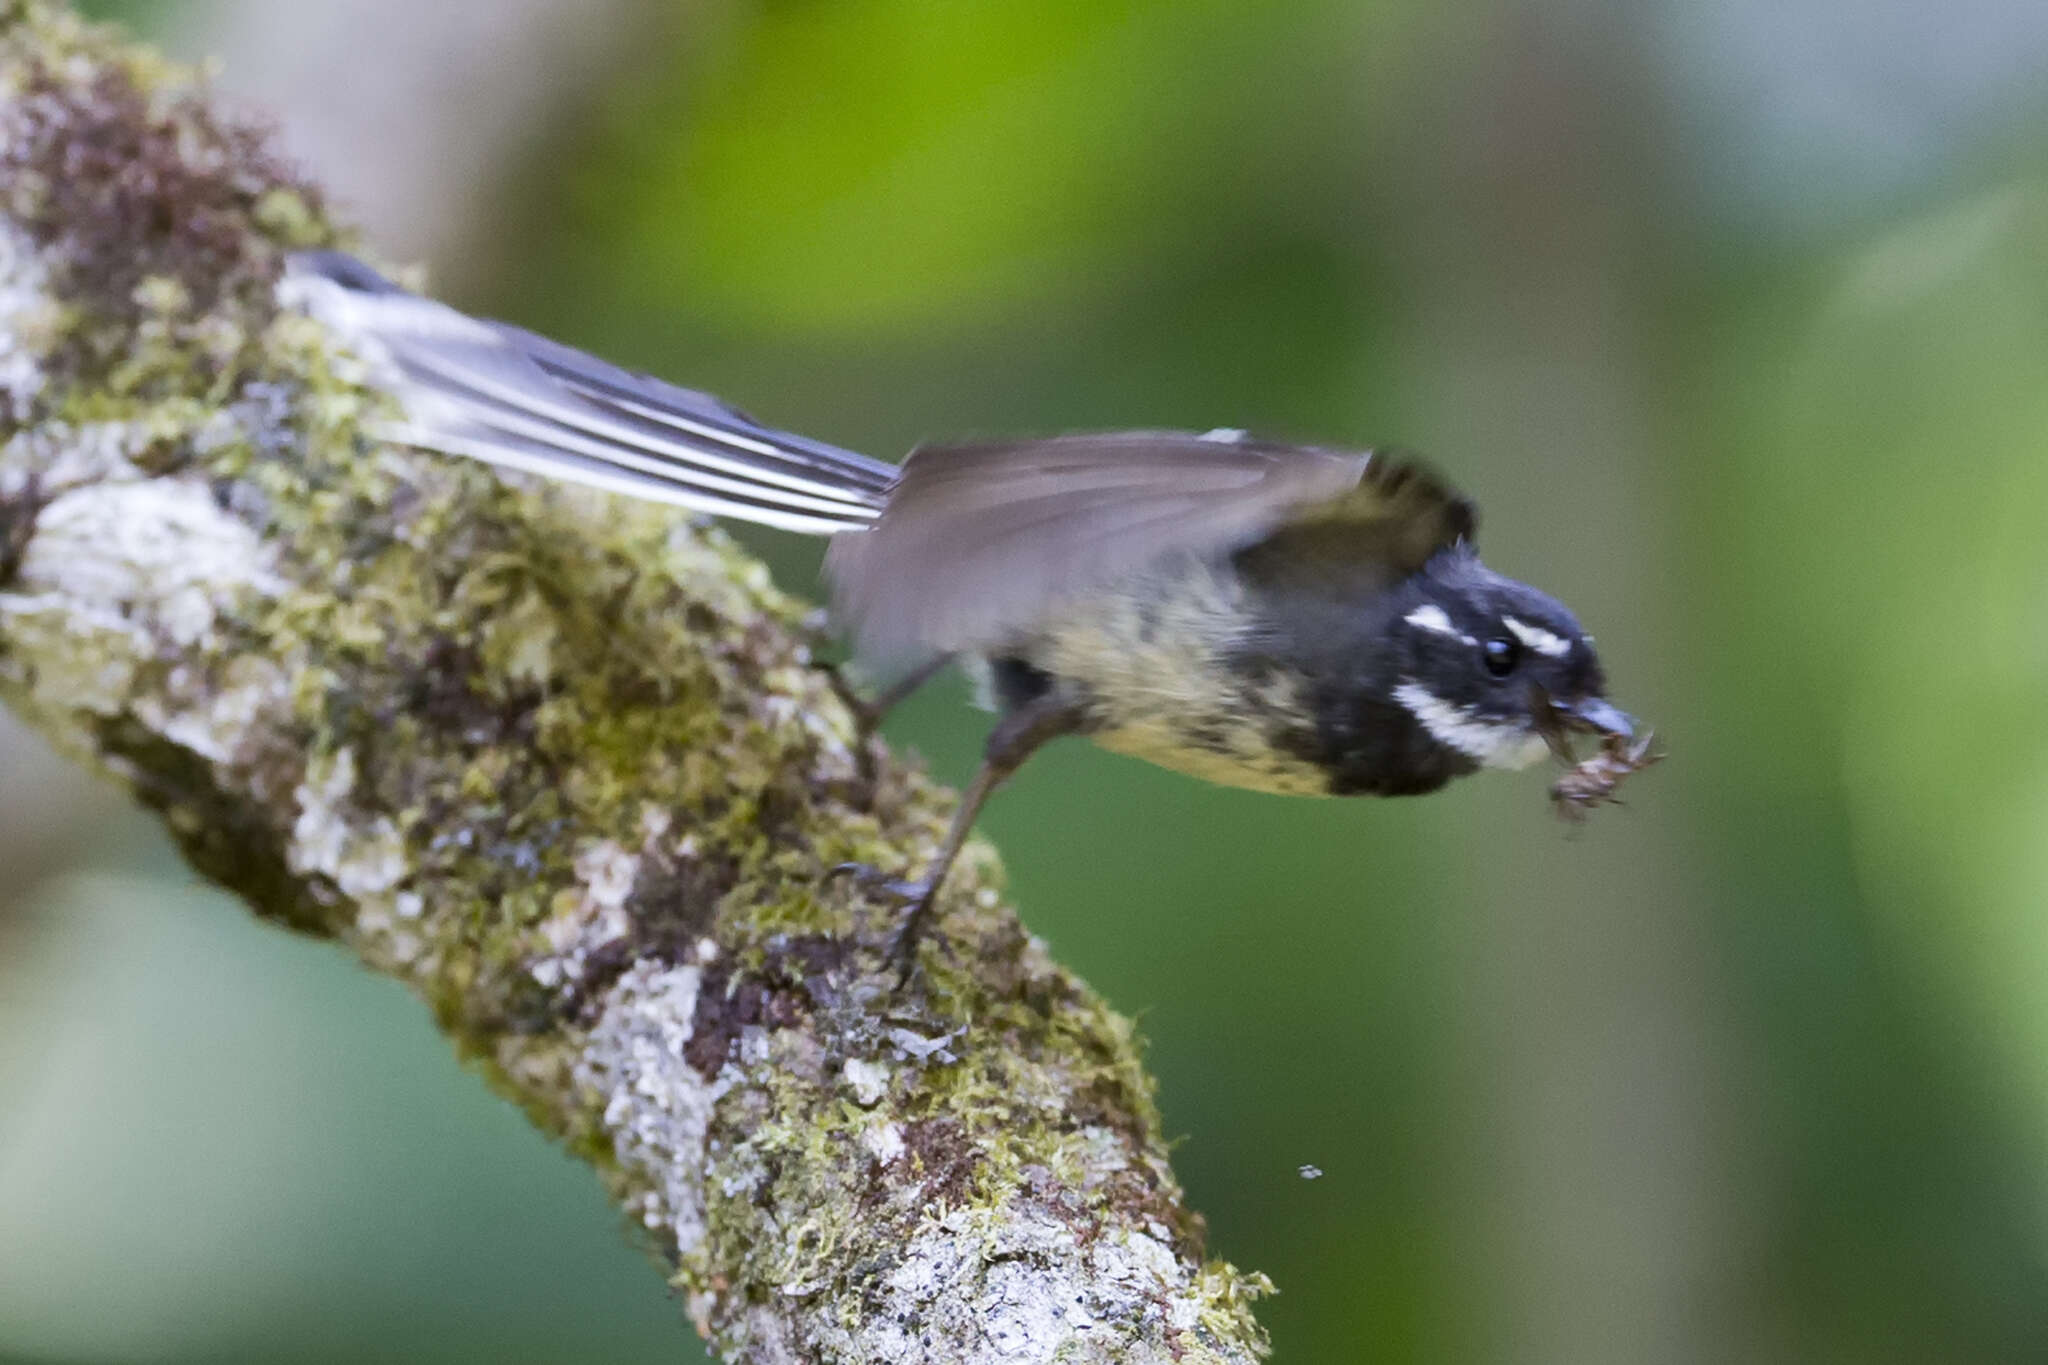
pixel 508 397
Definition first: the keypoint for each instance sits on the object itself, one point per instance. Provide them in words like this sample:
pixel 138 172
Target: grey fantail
pixel 1279 617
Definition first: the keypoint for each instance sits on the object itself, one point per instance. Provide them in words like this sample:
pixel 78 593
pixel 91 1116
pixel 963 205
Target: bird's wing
pixel 508 397
pixel 1369 537
pixel 980 542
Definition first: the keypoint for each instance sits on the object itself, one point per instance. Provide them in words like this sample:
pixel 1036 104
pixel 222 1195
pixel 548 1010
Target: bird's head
pixel 1493 670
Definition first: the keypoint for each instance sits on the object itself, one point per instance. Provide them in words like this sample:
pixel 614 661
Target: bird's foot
pixel 867 717
pixel 917 898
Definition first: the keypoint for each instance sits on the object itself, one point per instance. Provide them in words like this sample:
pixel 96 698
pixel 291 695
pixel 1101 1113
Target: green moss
pixel 478 683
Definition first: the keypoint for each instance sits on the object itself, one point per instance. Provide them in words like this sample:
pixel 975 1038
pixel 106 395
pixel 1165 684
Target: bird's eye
pixel 1502 654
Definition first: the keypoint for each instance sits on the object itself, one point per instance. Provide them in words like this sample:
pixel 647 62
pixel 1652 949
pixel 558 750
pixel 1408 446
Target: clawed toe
pixel 881 885
pixel 915 896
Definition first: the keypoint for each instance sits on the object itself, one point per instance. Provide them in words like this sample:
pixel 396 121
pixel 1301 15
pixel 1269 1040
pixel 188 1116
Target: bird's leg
pixel 1015 738
pixel 869 712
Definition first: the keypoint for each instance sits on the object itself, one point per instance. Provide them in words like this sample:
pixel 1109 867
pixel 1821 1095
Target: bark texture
pixel 559 764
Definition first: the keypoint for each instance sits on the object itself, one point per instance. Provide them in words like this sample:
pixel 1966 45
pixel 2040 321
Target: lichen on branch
pixel 562 765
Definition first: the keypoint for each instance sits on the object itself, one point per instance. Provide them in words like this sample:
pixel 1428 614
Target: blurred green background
pixel 1735 319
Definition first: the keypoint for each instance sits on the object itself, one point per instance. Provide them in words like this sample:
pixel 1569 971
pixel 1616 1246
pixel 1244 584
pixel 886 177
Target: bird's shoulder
pixel 1383 528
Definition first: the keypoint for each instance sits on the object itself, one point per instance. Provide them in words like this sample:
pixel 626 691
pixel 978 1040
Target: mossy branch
pixel 561 765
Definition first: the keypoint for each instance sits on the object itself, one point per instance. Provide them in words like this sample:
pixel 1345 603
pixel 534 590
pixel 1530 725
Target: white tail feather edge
pixel 510 398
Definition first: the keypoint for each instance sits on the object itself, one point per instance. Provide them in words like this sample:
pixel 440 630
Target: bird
pixel 1286 618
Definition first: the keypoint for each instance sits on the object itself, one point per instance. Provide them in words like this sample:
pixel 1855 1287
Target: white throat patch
pixel 1492 743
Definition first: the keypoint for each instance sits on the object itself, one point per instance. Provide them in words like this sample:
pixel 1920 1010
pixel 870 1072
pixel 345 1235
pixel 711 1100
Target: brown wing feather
pixel 979 542
pixel 1373 535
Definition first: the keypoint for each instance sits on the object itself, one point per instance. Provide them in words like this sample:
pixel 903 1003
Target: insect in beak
pixel 1558 720
pixel 1590 782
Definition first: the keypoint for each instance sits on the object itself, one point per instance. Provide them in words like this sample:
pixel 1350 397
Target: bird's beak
pixel 1597 715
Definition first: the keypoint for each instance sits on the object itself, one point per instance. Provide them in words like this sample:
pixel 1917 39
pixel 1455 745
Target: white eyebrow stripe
pixel 1430 616
pixel 1537 638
